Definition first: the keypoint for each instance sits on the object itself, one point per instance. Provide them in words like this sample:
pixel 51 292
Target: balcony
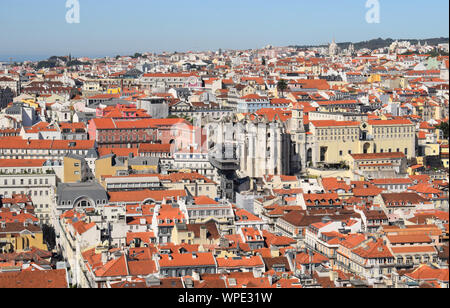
pixel 364 137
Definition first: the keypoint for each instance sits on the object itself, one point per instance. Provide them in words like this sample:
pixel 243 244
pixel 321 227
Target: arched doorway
pixel 366 148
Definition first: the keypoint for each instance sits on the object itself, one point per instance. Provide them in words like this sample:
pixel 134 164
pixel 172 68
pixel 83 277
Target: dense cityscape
pixel 278 167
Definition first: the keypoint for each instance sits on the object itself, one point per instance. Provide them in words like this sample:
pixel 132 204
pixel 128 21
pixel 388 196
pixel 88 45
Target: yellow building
pixel 144 164
pixel 19 237
pixel 110 165
pixel 444 155
pixel 75 169
pixel 31 102
pixel 432 149
pixel 114 90
pixel 374 78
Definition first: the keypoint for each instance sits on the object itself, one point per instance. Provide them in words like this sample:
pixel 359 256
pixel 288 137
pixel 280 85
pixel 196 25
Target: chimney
pixel 189 283
pixel 333 276
pixel 196 276
pixel 104 257
pixel 203 232
pixel 156 257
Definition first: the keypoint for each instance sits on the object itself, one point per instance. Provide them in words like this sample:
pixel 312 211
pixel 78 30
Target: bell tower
pixel 297 124
pixel 298 137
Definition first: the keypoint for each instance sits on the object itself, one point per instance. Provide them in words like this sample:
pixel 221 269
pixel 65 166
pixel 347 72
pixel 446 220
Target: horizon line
pixel 6 57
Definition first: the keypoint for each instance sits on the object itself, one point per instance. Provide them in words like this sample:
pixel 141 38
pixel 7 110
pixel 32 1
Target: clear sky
pixel 111 27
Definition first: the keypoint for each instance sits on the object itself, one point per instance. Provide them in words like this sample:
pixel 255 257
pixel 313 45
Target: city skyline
pixel 161 27
pixel 36 58
pixel 229 148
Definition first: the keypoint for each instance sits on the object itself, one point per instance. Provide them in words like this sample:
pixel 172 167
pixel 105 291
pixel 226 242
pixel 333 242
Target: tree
pixel 49 236
pixel 444 128
pixel 76 63
pixel 282 86
pixel 74 92
pixel 46 64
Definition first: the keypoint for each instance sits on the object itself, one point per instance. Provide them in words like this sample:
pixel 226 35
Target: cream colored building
pixel 31 177
pixel 196 184
pixel 335 141
pixel 378 165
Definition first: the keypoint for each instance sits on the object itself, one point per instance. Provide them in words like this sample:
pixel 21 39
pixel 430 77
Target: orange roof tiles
pixel 378 155
pixel 413 249
pixel 399 239
pixel 426 272
pixel 18 143
pixel 52 279
pixel 240 262
pixel 7 163
pixel 186 259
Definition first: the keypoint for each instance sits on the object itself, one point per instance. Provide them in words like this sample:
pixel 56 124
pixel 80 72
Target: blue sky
pixel 110 27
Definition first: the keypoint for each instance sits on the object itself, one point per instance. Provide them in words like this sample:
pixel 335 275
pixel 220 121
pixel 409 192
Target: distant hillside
pixel 55 61
pixel 382 43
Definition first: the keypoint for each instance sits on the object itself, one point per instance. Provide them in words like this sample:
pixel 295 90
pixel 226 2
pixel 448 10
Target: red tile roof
pixel 51 279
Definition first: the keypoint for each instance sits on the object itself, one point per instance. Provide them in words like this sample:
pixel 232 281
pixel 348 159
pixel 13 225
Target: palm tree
pixel 282 86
